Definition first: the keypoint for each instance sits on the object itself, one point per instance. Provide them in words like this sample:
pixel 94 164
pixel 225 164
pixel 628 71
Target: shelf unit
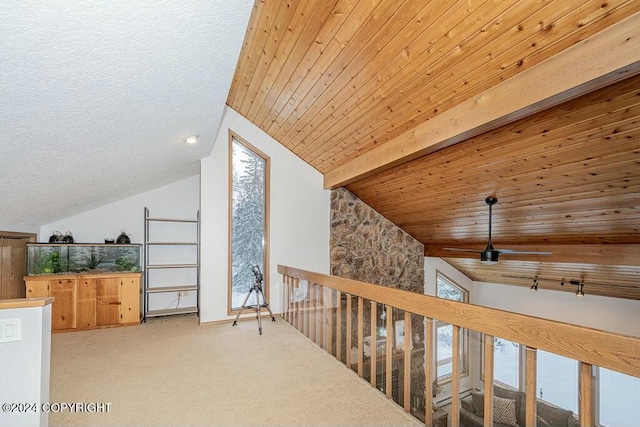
pixel 149 266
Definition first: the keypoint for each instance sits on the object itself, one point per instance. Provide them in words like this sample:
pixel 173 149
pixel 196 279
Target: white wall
pixel 180 199
pixel 299 216
pixel 20 228
pixel 26 366
pixel 609 314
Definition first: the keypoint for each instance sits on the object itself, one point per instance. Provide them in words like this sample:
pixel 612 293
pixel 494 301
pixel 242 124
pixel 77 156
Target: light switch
pixel 10 330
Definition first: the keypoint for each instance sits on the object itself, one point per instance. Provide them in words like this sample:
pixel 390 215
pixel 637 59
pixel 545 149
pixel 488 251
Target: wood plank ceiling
pixel 334 80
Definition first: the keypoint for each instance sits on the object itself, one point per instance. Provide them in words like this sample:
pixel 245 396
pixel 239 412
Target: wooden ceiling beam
pixel 610 254
pixel 598 61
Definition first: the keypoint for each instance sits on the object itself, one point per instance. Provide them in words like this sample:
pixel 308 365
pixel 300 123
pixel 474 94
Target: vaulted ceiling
pixel 423 109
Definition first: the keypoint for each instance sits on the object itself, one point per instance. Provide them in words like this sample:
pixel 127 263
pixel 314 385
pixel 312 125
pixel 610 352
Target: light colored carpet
pixel 173 372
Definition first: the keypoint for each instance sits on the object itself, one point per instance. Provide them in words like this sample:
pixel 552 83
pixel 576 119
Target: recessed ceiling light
pixel 191 139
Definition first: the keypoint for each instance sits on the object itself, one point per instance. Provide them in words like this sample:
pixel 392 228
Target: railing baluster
pixel 339 326
pixel 313 314
pixel 586 396
pixel 530 387
pixel 488 381
pixel 389 351
pixel 305 311
pixel 328 312
pixel 298 307
pixel 373 344
pixel 348 343
pixel 320 317
pixel 428 370
pixel 360 333
pixel 455 377
pixel 289 299
pixel 406 386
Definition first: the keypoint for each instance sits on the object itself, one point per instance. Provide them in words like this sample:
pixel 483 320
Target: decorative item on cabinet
pixel 123 239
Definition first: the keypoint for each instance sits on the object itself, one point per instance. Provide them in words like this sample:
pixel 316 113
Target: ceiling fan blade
pixel 511 251
pixel 463 250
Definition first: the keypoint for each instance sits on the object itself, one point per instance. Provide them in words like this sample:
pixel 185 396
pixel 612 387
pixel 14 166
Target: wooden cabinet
pixel 89 301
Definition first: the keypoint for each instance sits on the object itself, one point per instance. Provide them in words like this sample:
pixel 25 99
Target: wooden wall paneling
pixel 266 12
pixel 345 50
pixel 278 65
pixel 86 303
pixel 314 39
pixel 530 387
pixel 500 107
pixel 385 105
pixel 234 99
pixel 372 72
pixel 471 81
pixel 271 51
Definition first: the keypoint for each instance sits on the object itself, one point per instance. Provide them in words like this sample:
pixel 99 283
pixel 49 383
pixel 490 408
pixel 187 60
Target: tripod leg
pixel 235 322
pixel 258 310
pixel 266 304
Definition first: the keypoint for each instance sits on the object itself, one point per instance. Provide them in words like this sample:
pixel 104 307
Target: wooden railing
pixel 319 316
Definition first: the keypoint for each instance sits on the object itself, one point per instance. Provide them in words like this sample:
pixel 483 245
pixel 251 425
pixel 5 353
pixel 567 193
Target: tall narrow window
pixel 248 211
pixel 447 289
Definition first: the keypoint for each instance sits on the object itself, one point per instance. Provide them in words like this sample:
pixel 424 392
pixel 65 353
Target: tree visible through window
pixel 447 289
pixel 248 219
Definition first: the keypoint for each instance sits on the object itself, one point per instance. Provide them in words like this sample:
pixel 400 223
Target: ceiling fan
pixel 490 255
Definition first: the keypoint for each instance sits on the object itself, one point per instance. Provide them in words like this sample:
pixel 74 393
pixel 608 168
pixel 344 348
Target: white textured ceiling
pixel 95 97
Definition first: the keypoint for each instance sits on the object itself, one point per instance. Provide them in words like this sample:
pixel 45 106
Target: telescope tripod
pixel 257 288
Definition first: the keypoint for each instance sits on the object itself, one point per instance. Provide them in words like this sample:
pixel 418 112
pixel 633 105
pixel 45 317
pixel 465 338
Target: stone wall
pixel 368 247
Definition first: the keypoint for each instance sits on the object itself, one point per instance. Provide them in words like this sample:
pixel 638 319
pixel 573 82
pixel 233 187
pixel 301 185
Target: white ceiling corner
pixel 96 96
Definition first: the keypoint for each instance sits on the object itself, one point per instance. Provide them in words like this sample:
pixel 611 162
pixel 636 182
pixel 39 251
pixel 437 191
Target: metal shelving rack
pixel 148 267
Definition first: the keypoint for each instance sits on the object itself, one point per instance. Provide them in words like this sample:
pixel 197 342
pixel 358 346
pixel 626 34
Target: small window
pixel 448 289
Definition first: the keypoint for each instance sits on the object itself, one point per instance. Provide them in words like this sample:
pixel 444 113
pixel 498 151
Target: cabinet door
pixel 108 301
pixel 86 303
pixel 37 288
pixel 63 311
pixel 130 298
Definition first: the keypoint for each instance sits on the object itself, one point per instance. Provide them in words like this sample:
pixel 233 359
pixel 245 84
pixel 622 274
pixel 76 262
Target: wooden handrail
pixel 600 348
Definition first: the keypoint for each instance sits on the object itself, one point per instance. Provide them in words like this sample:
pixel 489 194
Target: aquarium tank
pixel 56 258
